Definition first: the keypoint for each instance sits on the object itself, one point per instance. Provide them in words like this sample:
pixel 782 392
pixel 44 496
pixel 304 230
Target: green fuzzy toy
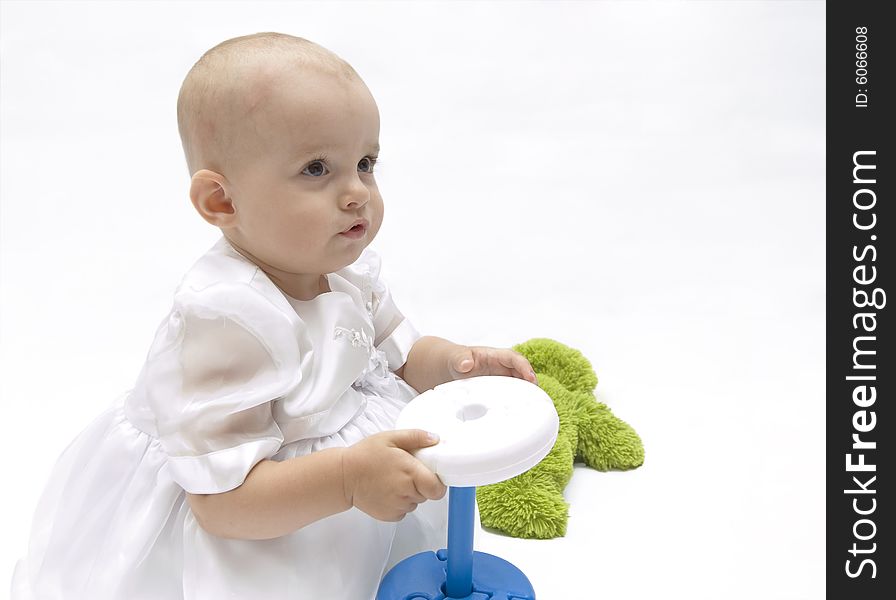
pixel 531 505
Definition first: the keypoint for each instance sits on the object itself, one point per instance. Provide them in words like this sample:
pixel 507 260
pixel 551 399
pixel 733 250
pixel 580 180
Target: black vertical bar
pixel 861 369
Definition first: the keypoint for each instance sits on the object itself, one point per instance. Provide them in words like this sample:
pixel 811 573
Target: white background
pixel 641 181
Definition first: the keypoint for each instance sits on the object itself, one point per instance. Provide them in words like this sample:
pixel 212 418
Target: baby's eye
pixel 316 169
pixel 366 164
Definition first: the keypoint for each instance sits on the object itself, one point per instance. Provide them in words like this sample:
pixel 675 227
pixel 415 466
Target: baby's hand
pixel 473 361
pixel 384 480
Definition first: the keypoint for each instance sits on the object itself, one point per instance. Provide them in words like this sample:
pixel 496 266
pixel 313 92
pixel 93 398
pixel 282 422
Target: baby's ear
pixel 211 198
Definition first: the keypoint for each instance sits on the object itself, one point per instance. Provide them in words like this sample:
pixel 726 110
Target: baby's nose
pixel 356 194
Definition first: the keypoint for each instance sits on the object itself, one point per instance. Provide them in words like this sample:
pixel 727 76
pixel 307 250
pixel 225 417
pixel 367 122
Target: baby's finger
pixel 526 369
pixel 415 497
pixel 500 362
pixel 518 364
pixel 429 485
pixel 523 370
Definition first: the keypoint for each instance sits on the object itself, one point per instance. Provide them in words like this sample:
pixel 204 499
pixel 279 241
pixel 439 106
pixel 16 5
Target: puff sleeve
pixel 216 365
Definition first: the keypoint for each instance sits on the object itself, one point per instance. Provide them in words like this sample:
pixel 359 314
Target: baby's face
pixel 306 177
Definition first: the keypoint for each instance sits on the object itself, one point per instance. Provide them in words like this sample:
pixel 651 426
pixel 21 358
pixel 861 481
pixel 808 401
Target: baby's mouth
pixel 356 231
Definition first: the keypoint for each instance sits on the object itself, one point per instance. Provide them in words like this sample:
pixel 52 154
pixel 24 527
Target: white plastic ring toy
pixel 491 428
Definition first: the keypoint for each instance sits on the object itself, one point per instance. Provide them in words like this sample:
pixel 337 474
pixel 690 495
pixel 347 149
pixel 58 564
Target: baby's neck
pixel 301 292
pixel 295 285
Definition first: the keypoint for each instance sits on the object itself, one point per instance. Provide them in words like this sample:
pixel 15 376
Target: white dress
pixel 237 372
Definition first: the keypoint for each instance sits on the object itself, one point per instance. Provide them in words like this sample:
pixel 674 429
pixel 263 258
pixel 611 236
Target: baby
pixel 255 456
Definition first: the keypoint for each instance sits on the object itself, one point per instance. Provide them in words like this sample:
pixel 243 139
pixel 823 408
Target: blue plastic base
pixel 423 576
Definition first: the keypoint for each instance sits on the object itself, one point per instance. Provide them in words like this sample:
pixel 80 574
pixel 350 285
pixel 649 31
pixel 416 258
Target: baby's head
pixel 281 136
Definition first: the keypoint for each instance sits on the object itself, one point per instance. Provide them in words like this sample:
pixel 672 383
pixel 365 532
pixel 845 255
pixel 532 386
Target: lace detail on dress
pixel 367 291
pixel 357 338
pixel 376 377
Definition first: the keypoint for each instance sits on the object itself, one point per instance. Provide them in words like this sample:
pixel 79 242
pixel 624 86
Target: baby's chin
pixel 356 253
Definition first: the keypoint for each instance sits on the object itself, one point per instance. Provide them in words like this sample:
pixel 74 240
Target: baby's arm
pixel 378 475
pixel 277 497
pixel 428 363
pixel 433 361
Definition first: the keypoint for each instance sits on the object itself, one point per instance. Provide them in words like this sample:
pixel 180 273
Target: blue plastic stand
pixel 456 573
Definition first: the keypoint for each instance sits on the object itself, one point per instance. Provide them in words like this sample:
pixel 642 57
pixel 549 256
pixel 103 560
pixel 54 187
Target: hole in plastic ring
pixel 471 412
